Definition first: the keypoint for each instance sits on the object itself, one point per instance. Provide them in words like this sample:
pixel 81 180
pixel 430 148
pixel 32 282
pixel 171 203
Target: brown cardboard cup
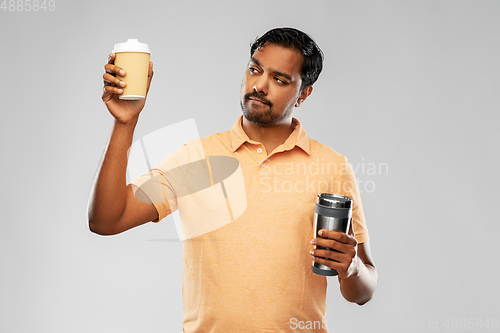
pixel 134 58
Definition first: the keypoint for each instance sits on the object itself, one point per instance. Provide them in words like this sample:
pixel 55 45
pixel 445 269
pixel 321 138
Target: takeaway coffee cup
pixel 133 57
pixel 332 212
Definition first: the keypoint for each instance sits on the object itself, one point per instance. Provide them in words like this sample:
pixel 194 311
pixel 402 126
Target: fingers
pixel 114 70
pixel 111 68
pixel 111 58
pixel 113 90
pixel 336 250
pixel 113 80
pixel 112 84
pixel 334 244
pixel 329 254
pixel 338 236
pixel 342 267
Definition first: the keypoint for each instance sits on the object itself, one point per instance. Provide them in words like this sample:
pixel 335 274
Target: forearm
pixel 108 194
pixel 359 287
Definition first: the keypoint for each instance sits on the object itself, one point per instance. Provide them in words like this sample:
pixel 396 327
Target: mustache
pixel 259 96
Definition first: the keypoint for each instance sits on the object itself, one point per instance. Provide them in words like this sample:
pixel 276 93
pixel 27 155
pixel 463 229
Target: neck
pixel 270 137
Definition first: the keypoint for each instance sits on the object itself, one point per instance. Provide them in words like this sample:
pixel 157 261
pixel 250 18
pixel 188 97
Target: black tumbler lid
pixel 334 200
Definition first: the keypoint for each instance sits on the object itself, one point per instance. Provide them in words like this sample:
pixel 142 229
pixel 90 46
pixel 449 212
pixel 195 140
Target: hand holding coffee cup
pixel 127 80
pixel 332 215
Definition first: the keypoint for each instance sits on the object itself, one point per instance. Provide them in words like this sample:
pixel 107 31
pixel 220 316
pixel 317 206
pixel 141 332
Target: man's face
pixel 271 85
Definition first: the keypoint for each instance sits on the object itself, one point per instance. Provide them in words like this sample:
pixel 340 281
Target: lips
pixel 257 100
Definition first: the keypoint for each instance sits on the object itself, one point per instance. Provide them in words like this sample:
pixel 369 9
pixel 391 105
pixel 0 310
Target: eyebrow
pixel 285 75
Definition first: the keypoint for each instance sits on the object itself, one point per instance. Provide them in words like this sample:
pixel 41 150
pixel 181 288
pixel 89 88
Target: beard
pixel 262 114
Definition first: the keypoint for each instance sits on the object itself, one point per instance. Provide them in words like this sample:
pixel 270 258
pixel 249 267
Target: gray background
pixel 412 85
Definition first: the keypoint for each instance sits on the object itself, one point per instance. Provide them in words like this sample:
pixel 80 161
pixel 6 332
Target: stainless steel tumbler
pixel 332 212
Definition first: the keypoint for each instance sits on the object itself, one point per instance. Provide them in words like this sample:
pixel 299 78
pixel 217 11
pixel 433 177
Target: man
pixel 253 274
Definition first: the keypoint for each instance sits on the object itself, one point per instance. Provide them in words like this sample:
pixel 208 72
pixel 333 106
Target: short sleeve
pixel 154 186
pixel 176 176
pixel 349 187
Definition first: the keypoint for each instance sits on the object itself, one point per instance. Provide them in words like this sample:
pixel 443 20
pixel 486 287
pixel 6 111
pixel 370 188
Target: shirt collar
pixel 298 137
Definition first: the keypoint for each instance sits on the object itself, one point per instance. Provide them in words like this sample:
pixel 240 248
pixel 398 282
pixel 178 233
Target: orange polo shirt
pixel 246 261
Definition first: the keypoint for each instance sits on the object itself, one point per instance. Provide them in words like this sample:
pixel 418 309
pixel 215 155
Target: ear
pixel 303 95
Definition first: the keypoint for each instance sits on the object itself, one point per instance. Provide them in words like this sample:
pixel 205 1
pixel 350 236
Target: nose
pixel 261 85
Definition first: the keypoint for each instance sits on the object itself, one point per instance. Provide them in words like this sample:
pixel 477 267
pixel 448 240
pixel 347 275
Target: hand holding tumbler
pixel 332 212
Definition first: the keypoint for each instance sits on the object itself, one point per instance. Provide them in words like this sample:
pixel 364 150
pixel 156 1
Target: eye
pixel 252 70
pixel 277 79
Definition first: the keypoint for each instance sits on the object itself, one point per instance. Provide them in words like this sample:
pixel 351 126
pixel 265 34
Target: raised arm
pixel 113 206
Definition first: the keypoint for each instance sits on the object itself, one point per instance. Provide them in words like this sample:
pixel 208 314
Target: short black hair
pixel 312 56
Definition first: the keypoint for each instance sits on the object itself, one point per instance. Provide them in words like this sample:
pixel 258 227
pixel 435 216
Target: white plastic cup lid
pixel 131 45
